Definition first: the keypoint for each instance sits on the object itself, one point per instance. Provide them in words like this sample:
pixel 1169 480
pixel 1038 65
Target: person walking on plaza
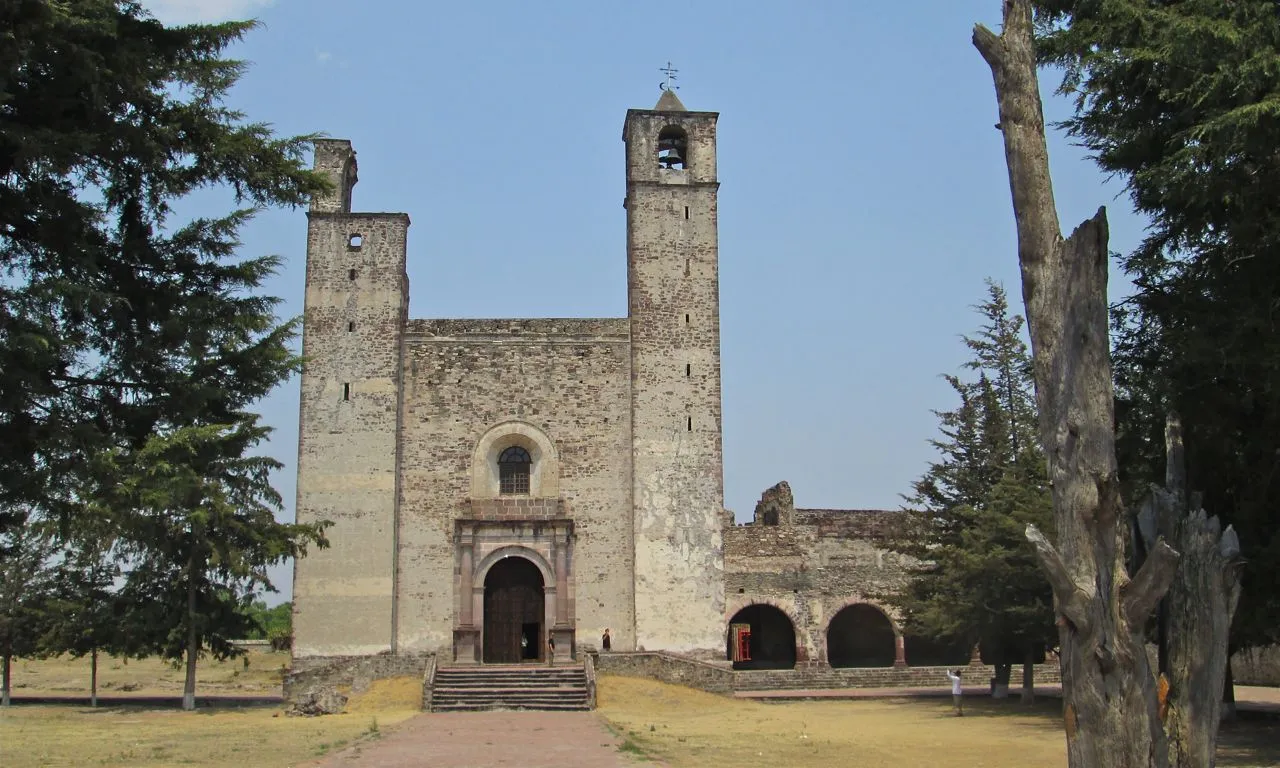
pixel 957 694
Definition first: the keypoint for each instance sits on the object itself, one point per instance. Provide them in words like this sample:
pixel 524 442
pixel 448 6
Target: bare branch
pixel 1151 582
pixel 1072 601
pixel 989 45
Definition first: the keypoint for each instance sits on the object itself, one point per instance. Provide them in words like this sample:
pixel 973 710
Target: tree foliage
pixel 1181 100
pixel 979 579
pixel 133 347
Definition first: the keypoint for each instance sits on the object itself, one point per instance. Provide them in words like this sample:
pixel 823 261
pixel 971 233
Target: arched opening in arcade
pixel 514 612
pixel 761 637
pixel 861 635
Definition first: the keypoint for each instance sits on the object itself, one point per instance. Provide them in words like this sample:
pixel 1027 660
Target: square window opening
pixel 355 241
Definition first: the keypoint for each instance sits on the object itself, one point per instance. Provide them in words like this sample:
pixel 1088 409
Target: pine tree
pixel 978 579
pixel 201 536
pixel 109 116
pixel 1180 100
pixel 85 607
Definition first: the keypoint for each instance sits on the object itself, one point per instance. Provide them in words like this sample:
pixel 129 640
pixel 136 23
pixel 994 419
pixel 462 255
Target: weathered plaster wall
pixel 356 298
pixel 673 295
pixel 565 378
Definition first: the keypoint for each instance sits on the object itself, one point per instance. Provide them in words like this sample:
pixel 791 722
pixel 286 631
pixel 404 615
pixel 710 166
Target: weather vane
pixel 670 72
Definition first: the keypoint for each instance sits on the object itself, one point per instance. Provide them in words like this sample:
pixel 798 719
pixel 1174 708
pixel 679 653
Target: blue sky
pixel 863 200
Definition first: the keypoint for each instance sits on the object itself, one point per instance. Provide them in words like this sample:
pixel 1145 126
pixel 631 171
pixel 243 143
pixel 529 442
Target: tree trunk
pixel 1229 693
pixel 1029 677
pixel 1110 703
pixel 1198 608
pixel 193 638
pixel 1000 684
pixel 93 678
pixel 4 680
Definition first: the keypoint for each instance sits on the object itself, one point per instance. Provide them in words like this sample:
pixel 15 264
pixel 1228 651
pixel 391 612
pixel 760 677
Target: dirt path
pixel 483 739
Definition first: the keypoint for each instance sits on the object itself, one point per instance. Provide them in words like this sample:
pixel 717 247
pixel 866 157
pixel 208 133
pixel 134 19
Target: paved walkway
pixel 490 739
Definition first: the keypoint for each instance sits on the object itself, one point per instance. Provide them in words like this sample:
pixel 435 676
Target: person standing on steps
pixel 551 650
pixel 605 642
pixel 957 694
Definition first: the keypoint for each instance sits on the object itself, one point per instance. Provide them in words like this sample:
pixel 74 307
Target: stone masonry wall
pixel 568 379
pixel 356 298
pixel 673 300
pixel 811 569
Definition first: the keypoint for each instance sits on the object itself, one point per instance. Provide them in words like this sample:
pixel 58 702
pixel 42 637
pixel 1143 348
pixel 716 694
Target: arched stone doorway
pixel 860 635
pixel 514 612
pixel 772 643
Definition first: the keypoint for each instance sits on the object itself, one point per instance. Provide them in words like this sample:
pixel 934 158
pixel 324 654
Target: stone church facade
pixel 495 484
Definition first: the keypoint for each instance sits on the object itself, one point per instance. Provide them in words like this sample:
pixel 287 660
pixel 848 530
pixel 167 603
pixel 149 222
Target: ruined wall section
pixel 570 379
pixel 673 299
pixel 355 305
pixel 812 568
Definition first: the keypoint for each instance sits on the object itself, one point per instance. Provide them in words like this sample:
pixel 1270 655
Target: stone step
pixel 484 681
pixel 470 689
pixel 468 707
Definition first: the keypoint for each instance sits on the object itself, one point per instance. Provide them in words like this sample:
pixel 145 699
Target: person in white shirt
pixel 957 694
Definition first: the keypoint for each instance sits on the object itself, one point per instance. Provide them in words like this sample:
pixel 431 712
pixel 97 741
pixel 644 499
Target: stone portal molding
pixel 544 475
pixel 480 544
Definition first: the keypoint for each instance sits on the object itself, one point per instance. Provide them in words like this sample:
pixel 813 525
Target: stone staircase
pixel 478 688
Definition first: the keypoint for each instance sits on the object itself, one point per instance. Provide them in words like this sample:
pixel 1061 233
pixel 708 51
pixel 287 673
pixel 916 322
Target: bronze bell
pixel 671 157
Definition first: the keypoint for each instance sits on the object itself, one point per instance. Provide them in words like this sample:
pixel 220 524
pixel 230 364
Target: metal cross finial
pixel 670 72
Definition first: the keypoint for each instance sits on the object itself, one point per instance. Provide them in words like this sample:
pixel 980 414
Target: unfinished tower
pixel 357 295
pixel 674 309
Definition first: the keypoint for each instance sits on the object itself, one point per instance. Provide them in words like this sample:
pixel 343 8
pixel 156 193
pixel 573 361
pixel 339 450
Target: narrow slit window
pixel 690 425
pixel 686 318
pixel 686 211
pixel 351 326
pixel 688 369
pixel 346 391
pixel 355 241
pixel 351 274
pixel 686 267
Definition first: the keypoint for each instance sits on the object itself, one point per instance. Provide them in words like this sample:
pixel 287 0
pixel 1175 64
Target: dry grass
pixel 65 676
pixel 143 736
pixel 690 728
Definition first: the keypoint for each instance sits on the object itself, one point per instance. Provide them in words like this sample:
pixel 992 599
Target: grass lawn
pixel 124 734
pixel 683 727
pixel 65 676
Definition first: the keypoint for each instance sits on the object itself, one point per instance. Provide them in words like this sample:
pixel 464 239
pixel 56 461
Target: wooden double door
pixel 514 613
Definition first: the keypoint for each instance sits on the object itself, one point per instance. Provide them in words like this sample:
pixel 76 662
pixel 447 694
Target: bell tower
pixel 674 308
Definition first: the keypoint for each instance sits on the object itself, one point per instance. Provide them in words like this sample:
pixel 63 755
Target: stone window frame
pixel 544 470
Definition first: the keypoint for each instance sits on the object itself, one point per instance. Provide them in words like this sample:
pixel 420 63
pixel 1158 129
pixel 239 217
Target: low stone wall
pixel 720 678
pixel 1256 666
pixel 314 673
pixel 667 668
pixel 880 677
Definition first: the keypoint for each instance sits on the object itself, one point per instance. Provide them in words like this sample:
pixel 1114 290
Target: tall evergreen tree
pixel 1181 100
pixel 978 578
pixel 109 116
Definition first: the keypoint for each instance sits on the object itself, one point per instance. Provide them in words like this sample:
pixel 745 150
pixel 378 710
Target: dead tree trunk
pixel 1197 609
pixel 1110 702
